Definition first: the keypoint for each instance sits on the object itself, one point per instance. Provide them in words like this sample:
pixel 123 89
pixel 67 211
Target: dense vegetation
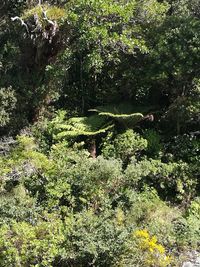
pixel 99 126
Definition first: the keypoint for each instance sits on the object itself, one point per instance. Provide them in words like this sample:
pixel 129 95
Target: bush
pixel 26 166
pixel 185 147
pixel 154 147
pixel 142 249
pixel 187 228
pixel 18 205
pixel 22 244
pixel 79 181
pixel 148 210
pixel 7 105
pixel 124 146
pixel 187 231
pixel 173 180
pixel 95 240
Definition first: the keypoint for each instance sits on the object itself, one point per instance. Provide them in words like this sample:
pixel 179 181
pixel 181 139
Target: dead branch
pixel 22 22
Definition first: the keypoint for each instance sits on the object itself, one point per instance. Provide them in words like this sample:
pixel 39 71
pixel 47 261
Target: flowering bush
pixel 142 249
pixel 154 253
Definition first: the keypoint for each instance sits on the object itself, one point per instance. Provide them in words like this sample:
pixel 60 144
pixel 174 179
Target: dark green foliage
pixel 99 138
pixel 155 147
pixel 185 147
pixel 122 113
pixel 17 205
pixel 7 105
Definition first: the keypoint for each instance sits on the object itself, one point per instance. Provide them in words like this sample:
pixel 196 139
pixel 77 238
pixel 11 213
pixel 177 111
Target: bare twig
pixel 22 22
pixel 44 13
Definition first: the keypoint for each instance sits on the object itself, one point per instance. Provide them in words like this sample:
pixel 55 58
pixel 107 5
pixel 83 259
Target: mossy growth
pixel 52 13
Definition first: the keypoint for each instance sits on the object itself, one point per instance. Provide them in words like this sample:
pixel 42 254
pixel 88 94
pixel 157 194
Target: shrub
pixel 124 146
pixel 142 249
pixel 149 211
pixel 187 231
pixel 187 228
pixel 7 105
pixel 173 180
pixel 18 205
pixel 154 147
pixel 79 181
pixel 24 165
pixel 95 240
pixel 22 244
pixel 185 147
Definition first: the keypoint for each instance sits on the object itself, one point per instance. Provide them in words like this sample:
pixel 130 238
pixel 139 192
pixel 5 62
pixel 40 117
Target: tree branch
pixel 22 23
pixel 44 13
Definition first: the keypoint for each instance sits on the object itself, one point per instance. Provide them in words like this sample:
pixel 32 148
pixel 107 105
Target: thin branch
pixel 38 24
pixel 22 22
pixel 44 13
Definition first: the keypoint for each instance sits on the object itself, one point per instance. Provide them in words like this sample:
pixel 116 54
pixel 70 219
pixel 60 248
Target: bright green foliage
pixel 79 181
pixel 77 126
pixel 23 167
pixel 95 240
pixel 187 231
pixel 61 127
pixel 101 24
pixel 22 244
pixel 188 228
pixel 124 145
pixel 169 178
pixel 26 150
pixel 96 201
pixel 157 216
pixel 152 253
pixel 117 187
pixel 100 204
pixel 52 13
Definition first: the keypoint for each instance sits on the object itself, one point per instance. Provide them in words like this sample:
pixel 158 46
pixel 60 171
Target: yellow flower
pixel 154 253
pixel 142 233
pixel 154 239
pixel 160 249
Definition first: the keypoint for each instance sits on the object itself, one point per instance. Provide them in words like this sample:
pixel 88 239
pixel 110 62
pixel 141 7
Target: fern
pixel 87 126
pixel 123 113
pixel 99 123
pixel 124 108
pixel 75 132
